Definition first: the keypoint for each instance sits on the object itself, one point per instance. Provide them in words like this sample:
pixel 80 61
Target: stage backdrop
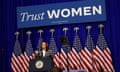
pixel 9 26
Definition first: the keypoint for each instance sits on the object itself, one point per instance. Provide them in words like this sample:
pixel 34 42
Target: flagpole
pixel 89 29
pixel 76 29
pixel 52 32
pixel 22 32
pixel 40 32
pixel 16 34
pixel 28 33
pixel 101 26
pixel 65 31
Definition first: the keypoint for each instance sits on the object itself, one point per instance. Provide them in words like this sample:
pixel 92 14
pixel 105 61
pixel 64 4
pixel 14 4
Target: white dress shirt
pixel 44 52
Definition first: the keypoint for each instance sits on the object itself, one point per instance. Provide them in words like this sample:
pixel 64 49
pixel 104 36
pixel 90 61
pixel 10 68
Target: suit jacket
pixel 48 53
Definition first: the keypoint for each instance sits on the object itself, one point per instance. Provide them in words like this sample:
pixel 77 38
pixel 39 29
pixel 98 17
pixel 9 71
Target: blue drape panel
pixel 9 26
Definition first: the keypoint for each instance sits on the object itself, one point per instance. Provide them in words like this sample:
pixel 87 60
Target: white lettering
pixel 76 12
pixel 42 15
pixel 53 14
pixel 87 11
pixel 23 16
pixel 67 12
pixel 97 10
pixel 31 17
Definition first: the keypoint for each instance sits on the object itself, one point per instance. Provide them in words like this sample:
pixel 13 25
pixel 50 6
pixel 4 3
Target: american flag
pixel 87 55
pixel 75 51
pixel 28 54
pixel 103 54
pixel 63 61
pixel 71 63
pixel 65 56
pixel 55 53
pixel 77 47
pixel 17 63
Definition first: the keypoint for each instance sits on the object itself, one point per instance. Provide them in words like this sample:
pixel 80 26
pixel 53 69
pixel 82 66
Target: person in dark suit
pixel 45 50
pixel 43 61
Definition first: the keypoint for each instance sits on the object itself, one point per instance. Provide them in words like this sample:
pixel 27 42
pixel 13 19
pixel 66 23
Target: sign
pixel 61 13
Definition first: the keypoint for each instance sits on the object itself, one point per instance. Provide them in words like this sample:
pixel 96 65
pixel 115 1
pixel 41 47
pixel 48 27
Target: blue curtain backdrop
pixel 9 25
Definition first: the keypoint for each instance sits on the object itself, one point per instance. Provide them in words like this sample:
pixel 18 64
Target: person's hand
pixel 36 52
pixel 49 52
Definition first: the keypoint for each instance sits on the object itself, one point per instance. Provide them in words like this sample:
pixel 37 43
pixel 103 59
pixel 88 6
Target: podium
pixel 41 64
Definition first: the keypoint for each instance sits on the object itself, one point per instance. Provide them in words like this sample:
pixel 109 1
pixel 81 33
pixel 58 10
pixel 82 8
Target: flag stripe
pixel 108 63
pixel 15 65
pixel 63 56
pixel 85 54
pixel 13 68
pixel 60 61
pixel 18 62
pixel 22 63
pixel 70 60
pixel 85 61
pixel 63 61
pixel 82 62
pixel 25 61
pixel 26 56
pixel 102 57
pixel 55 61
pixel 99 58
pixel 76 57
pixel 75 60
pixel 108 54
pixel 71 65
pixel 100 63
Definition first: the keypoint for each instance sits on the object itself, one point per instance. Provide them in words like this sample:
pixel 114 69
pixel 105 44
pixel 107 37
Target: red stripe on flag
pixel 101 57
pixel 13 68
pixel 109 62
pixel 63 58
pixel 18 62
pixel 25 60
pixel 75 60
pixel 56 61
pixel 76 57
pixel 22 63
pixel 15 64
pixel 71 60
pixel 86 59
pixel 82 62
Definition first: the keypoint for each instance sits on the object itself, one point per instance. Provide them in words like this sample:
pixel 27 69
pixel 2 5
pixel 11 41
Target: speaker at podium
pixel 41 64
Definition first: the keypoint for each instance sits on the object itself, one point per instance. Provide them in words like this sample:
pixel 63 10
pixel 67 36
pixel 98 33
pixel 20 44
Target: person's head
pixel 44 46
